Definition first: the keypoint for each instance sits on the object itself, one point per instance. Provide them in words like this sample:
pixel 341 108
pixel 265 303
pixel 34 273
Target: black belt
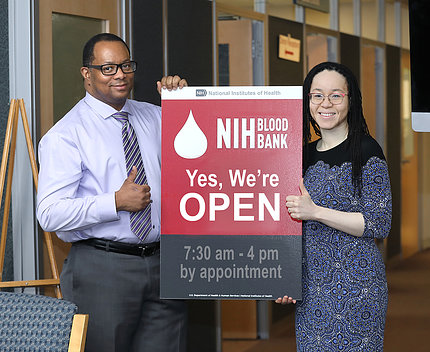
pixel 142 250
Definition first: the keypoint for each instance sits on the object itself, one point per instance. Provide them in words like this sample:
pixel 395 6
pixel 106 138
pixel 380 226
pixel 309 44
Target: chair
pixel 39 323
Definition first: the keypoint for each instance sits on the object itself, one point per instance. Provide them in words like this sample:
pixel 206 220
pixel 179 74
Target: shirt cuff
pixel 106 207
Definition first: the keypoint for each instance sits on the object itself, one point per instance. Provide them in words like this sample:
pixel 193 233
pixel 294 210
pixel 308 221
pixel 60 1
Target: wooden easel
pixel 10 142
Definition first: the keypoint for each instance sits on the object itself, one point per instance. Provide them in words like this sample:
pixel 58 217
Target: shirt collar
pixel 104 109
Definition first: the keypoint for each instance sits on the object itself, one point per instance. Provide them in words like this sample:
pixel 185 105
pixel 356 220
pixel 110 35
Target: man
pixel 99 188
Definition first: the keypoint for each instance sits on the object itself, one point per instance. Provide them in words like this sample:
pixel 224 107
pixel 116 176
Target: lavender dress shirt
pixel 82 164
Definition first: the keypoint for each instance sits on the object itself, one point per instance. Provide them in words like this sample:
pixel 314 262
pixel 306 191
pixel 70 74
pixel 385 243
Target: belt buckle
pixel 147 251
pixel 144 251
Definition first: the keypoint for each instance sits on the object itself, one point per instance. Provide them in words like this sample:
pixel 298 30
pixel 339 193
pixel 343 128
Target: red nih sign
pixel 230 156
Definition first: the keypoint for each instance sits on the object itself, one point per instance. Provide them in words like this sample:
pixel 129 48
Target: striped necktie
pixel 140 222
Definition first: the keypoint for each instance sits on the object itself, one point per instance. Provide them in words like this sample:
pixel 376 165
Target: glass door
pixel 241 62
pixel 320 47
pixel 373 89
pixel 409 167
pixel 240 47
pixel 373 94
pixel 69 34
pixel 64 27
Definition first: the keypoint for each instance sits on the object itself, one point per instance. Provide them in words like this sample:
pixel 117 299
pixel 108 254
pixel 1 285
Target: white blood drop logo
pixel 190 142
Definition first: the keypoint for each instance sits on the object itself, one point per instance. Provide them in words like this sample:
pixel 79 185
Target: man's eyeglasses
pixel 112 69
pixel 334 98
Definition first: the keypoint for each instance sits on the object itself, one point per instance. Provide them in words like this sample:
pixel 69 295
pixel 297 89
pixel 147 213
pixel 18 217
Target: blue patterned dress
pixel 344 285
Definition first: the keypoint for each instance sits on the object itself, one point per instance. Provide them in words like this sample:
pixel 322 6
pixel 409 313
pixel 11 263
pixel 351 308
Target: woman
pixel 345 203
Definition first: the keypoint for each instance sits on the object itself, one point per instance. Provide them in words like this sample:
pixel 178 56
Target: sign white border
pixel 237 92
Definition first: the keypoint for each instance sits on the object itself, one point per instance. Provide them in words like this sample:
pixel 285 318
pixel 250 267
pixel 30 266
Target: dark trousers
pixel 120 292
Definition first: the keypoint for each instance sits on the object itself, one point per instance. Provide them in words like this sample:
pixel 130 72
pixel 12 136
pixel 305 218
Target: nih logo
pixel 201 92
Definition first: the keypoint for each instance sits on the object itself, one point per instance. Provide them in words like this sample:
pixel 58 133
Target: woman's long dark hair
pixel 357 126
